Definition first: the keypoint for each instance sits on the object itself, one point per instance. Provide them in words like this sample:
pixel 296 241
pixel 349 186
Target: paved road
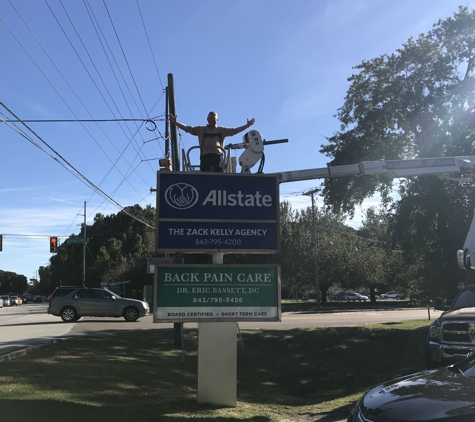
pixel 28 325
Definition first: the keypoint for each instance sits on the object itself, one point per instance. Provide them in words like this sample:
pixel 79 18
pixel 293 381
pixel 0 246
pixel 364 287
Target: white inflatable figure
pixel 252 141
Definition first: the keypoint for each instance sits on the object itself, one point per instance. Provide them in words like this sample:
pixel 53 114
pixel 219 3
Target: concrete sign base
pixel 217 363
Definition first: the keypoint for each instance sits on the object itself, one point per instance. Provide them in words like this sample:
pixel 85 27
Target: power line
pixel 82 120
pixel 58 93
pixel 72 169
pixel 47 236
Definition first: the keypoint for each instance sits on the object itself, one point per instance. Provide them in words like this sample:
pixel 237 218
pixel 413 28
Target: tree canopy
pixel 417 102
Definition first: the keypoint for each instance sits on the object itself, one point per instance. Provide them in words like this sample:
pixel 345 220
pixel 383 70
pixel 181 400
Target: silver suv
pixel 81 301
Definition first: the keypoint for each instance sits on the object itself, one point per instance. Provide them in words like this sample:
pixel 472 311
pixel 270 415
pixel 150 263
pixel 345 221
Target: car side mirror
pixel 113 298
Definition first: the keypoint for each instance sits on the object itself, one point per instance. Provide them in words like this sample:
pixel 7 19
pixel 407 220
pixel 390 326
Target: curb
pixel 23 351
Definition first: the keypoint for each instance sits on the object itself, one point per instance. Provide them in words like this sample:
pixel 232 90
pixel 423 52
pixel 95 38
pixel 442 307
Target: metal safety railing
pixel 229 163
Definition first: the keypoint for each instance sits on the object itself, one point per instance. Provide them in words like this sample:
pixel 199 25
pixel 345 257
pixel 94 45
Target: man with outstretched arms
pixel 211 139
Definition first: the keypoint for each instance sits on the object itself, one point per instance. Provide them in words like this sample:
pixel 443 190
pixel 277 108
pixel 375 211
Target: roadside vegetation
pixel 142 376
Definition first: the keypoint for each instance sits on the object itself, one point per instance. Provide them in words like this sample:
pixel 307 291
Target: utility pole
pixel 174 136
pixel 167 125
pixel 177 326
pixel 315 244
pixel 84 251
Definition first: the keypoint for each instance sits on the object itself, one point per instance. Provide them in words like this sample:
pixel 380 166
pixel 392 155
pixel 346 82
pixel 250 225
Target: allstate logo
pixel 181 196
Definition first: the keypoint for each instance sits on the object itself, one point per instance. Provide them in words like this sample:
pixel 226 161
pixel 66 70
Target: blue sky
pixel 285 63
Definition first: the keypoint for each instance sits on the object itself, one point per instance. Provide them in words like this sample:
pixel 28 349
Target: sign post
pixel 217 214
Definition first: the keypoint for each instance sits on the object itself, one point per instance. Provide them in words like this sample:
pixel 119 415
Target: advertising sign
pixel 194 293
pixel 217 212
pixel 221 236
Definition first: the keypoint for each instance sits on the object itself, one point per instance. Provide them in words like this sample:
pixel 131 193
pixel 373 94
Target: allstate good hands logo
pixel 181 196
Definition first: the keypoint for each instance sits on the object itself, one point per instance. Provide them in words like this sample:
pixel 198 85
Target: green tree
pixel 417 102
pixel 117 250
pixel 11 282
pixel 297 257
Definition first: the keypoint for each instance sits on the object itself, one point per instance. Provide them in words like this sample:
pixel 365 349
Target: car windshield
pixel 466 299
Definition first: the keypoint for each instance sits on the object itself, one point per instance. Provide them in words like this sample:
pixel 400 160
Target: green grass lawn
pixel 140 376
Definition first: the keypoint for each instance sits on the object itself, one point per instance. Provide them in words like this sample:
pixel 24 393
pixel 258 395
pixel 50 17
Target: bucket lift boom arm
pixel 460 169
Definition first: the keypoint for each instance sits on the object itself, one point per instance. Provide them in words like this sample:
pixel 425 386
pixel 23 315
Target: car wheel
pixel 131 314
pixel 69 314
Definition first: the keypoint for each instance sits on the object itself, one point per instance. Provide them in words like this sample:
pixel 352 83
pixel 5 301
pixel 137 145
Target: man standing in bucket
pixel 211 138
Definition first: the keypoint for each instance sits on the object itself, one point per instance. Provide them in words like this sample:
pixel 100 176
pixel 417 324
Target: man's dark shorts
pixel 211 163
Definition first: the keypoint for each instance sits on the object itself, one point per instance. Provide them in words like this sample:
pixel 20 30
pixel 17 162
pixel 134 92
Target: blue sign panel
pixel 183 236
pixel 223 196
pixel 217 211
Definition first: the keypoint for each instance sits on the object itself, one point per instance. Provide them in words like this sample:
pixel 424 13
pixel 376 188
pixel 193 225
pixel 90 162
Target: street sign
pixel 116 283
pixel 75 240
pixel 217 212
pixel 194 293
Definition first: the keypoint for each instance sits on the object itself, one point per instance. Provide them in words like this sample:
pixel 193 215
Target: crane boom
pixel 453 168
pixel 459 168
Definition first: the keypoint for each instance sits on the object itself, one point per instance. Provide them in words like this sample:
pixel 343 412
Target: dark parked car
pixel 82 301
pixel 339 296
pixel 37 299
pixel 445 395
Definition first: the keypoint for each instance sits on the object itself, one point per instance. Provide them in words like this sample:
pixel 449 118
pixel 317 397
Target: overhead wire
pixel 149 44
pixel 121 154
pixel 68 166
pixel 95 67
pixel 103 42
pixel 131 168
pixel 89 74
pixel 53 86
pixel 124 55
pixel 80 120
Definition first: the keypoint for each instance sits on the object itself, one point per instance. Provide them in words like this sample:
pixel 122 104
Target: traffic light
pixel 1 242
pixel 53 244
